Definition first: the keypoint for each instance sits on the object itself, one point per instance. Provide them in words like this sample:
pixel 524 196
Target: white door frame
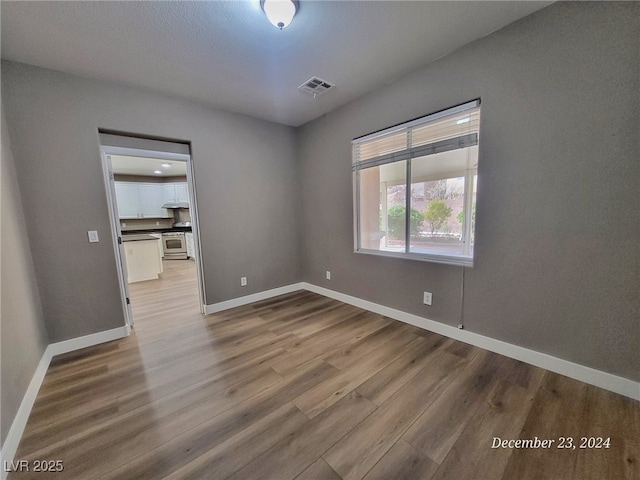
pixel 116 233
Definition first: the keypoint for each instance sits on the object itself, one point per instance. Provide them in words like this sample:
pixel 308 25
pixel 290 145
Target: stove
pixel 174 245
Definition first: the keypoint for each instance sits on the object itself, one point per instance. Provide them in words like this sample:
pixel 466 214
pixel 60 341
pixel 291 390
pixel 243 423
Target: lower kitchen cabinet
pixel 191 248
pixel 143 259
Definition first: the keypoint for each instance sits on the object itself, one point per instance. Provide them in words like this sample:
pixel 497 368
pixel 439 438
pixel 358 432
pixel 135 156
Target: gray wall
pixel 24 338
pixel 246 184
pixel 558 223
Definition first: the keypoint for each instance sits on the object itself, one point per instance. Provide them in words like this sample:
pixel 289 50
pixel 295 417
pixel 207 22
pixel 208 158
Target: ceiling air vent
pixel 315 86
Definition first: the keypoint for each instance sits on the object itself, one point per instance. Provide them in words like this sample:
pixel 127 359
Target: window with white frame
pixel 415 187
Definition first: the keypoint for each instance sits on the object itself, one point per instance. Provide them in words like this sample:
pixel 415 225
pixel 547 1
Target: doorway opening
pixel 154 223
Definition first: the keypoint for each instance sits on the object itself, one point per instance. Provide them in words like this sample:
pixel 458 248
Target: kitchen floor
pixel 155 302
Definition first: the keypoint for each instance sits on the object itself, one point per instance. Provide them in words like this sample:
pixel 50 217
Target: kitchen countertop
pixel 137 238
pixel 156 230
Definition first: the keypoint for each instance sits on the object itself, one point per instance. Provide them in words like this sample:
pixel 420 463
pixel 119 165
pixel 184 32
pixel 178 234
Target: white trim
pixel 195 228
pixel 78 343
pixel 598 378
pixel 116 233
pixel 254 297
pixel 184 157
pixel 459 261
pixel 14 436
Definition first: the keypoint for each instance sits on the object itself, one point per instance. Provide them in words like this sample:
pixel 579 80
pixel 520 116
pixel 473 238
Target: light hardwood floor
pixel 302 386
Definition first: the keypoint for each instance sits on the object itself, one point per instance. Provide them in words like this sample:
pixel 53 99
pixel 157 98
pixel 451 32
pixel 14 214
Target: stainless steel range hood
pixel 176 205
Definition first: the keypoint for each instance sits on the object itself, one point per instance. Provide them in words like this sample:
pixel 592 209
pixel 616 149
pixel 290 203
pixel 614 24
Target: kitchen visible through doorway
pixel 154 225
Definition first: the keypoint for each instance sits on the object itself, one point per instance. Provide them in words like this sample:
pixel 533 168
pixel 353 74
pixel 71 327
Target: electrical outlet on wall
pixel 426 299
pixel 328 275
pixel 243 281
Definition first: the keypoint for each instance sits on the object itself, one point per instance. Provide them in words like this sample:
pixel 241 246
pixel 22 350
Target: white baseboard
pixel 73 344
pixel 10 446
pixel 12 441
pixel 255 297
pixel 608 381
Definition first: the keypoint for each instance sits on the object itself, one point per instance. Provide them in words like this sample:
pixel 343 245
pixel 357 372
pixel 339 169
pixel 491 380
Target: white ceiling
pixel 226 54
pixel 127 165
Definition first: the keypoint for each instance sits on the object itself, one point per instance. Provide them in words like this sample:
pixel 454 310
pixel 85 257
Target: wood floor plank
pixel 350 355
pixel 361 449
pixel 463 350
pixel 403 462
pixel 521 374
pixel 502 416
pixel 307 319
pixel 609 416
pixel 337 314
pixel 324 394
pixel 329 340
pixel 556 412
pixel 281 303
pixel 297 452
pixel 319 470
pixel 387 381
pixel 436 431
pixel 222 460
pixel 283 319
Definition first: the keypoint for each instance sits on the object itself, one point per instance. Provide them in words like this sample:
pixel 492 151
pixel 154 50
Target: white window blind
pixel 455 127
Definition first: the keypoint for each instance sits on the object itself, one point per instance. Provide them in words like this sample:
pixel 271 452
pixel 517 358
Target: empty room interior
pixel 320 240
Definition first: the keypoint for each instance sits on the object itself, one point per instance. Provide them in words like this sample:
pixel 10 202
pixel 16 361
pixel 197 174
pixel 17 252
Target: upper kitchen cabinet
pixel 181 192
pixel 175 192
pixel 140 200
pixel 151 199
pixel 128 200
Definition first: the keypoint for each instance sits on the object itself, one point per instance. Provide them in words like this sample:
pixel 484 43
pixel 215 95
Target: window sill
pixel 458 260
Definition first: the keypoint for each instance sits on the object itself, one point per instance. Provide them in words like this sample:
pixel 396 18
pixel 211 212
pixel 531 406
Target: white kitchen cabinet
pixel 128 200
pixel 168 193
pixel 151 199
pixel 143 260
pixel 181 192
pixel 175 192
pixel 139 200
pixel 160 247
pixel 191 248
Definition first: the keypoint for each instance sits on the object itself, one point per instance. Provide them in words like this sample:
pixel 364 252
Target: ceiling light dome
pixel 279 12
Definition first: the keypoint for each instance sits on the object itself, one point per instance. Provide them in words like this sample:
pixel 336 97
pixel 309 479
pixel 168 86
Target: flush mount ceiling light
pixel 279 12
pixel 165 165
